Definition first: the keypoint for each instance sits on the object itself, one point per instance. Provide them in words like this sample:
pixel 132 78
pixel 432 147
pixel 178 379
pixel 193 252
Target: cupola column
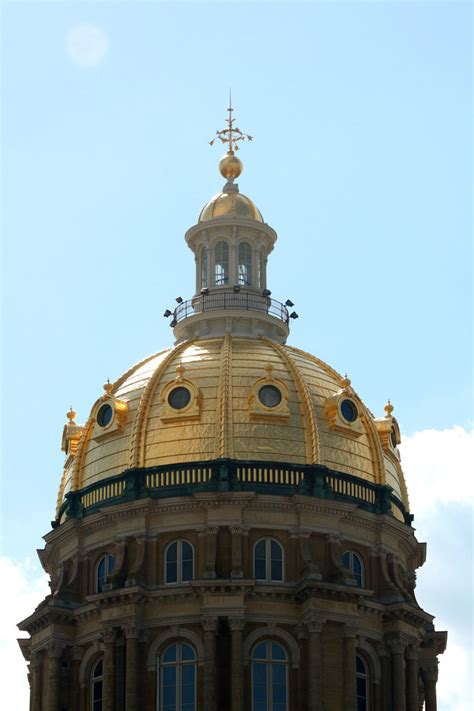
pixel 108 637
pixel 315 626
pixel 350 634
pixel 54 675
pixel 209 625
pixel 411 656
pixel 236 627
pixel 430 677
pixel 397 650
pixel 36 681
pixel 131 668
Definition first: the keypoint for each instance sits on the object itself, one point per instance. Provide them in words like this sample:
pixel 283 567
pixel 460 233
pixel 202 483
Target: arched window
pixel 245 264
pixel 204 260
pixel 177 678
pixel 268 560
pixel 221 262
pixel 352 562
pixel 269 677
pixel 97 685
pixel 362 685
pixel 104 568
pixel 179 562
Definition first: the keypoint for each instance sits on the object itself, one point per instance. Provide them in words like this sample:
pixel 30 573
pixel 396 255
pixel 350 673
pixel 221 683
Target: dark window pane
pixel 187 570
pixel 179 398
pixel 97 691
pixel 171 572
pixel 279 673
pixel 357 568
pixel 187 673
pixel 276 551
pixel 346 560
pixel 277 651
pixel 100 575
pixel 277 570
pixel 169 655
pixel 361 687
pixel 260 550
pixel 260 651
pixel 360 666
pixel 187 652
pixel 98 668
pixel 260 569
pixel 172 553
pixel 187 551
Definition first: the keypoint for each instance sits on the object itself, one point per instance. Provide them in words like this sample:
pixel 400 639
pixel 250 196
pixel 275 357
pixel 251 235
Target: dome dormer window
pixel 245 264
pixel 104 415
pixel 349 410
pixel 179 398
pixel 221 263
pixel 269 395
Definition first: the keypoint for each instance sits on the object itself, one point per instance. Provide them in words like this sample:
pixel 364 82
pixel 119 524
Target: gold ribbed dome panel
pixel 231 204
pixel 223 372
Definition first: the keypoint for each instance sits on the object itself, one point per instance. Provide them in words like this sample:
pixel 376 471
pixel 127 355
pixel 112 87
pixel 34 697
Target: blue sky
pixel 361 113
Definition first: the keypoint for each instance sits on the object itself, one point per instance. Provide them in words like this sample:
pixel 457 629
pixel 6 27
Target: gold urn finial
pixel 71 416
pixel 230 166
pixel 388 408
pixel 108 387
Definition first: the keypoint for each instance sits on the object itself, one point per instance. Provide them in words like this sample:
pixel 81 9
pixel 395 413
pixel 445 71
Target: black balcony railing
pixel 230 300
pixel 273 478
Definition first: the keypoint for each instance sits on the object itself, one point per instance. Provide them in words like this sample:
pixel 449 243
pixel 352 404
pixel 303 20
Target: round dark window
pixel 393 438
pixel 269 396
pixel 104 416
pixel 349 410
pixel 179 398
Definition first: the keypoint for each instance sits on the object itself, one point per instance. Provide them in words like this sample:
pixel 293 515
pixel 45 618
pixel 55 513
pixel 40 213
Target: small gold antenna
pixel 232 134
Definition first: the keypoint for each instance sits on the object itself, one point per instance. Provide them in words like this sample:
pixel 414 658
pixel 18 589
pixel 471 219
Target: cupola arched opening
pixel 221 263
pixel 245 264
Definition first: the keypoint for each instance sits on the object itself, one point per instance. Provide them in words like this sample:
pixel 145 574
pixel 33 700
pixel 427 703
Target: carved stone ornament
pixel 389 432
pixel 257 409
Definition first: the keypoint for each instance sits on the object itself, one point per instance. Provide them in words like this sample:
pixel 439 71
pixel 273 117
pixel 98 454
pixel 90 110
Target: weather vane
pixel 232 134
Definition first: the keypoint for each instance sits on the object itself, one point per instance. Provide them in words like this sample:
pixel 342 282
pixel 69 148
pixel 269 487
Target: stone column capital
pixel 429 671
pixel 132 631
pixel 314 623
pixel 209 623
pixel 396 645
pixel 36 659
pixel 351 630
pixel 236 530
pixel 54 649
pixel 212 530
pixel 411 651
pixel 77 653
pixel 108 635
pixel 236 624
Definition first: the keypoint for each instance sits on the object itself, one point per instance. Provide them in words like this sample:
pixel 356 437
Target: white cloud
pixel 438 466
pixel 86 45
pixel 24 585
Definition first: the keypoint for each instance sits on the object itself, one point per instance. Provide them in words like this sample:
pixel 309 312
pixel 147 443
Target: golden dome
pixel 230 204
pixel 224 418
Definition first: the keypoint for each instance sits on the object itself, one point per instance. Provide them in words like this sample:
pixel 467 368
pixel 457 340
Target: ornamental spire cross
pixel 232 134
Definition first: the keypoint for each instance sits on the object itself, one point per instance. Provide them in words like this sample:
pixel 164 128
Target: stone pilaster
pixel 430 677
pixel 76 656
pixel 209 625
pixel 236 543
pixel 386 690
pixel 350 634
pixel 54 675
pixel 314 625
pixel 211 548
pixel 237 625
pixel 36 666
pixel 411 664
pixel 397 654
pixel 131 668
pixel 108 637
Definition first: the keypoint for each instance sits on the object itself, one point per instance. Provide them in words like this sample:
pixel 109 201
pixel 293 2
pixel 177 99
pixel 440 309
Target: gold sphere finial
pixel 71 416
pixel 108 387
pixel 230 166
pixel 345 381
pixel 388 408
